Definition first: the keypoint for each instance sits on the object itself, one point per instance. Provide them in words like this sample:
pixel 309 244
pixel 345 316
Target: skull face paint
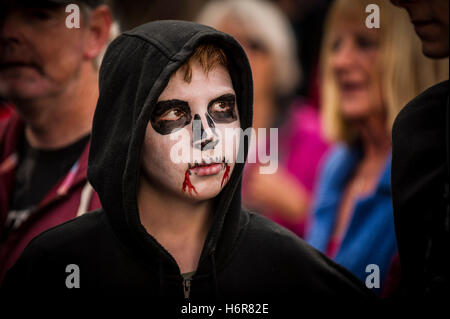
pixel 169 116
pixel 222 109
pixel 203 107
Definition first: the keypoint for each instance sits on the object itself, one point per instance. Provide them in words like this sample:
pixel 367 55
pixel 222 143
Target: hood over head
pixel 135 70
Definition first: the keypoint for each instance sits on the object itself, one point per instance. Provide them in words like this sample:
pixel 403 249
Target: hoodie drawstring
pixel 214 277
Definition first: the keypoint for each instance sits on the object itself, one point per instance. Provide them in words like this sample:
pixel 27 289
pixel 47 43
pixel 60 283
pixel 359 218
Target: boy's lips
pixel 207 169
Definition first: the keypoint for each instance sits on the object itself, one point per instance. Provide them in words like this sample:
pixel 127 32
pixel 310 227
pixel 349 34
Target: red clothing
pixel 62 203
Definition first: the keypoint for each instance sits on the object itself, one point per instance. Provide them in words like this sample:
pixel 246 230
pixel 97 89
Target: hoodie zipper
pixel 186 288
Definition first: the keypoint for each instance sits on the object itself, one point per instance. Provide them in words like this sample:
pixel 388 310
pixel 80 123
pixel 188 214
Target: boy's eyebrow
pixel 165 105
pixel 226 97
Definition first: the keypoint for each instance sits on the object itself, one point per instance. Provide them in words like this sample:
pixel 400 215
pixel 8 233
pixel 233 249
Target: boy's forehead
pixel 216 81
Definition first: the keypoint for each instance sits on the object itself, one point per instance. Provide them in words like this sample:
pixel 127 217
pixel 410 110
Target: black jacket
pixel 245 256
pixel 419 175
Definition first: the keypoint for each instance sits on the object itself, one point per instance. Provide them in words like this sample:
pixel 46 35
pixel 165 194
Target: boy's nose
pixel 200 137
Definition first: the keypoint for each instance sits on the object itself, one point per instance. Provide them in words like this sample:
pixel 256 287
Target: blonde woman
pixel 368 75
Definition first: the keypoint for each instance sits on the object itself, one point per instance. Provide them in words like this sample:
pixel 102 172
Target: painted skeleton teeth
pixel 208 161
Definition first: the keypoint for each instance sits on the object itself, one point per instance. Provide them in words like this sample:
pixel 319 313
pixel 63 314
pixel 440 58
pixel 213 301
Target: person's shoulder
pixel 334 159
pixel 263 228
pixel 78 230
pixel 421 105
pixel 43 262
pixel 276 239
pixel 9 121
pixel 300 262
pixel 337 153
pixel 437 90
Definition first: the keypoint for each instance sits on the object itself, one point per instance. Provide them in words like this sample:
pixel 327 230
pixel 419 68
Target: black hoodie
pixel 245 257
pixel 420 193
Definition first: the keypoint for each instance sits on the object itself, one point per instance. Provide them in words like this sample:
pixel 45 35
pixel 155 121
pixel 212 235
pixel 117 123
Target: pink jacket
pixel 301 148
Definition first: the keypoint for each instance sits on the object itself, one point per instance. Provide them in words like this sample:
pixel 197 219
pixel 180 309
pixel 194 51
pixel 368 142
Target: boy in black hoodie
pixel 172 229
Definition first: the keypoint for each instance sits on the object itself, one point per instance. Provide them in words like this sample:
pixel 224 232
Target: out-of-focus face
pixel 431 22
pixel 196 114
pixel 261 61
pixel 39 55
pixel 353 60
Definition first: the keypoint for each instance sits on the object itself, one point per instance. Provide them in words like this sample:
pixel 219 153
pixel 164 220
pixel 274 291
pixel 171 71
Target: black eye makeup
pixel 223 109
pixel 172 115
pixel 169 116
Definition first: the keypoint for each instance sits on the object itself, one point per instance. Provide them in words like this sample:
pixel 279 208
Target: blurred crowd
pixel 332 86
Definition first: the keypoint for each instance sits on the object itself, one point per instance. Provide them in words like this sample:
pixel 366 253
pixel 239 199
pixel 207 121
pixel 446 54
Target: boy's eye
pixel 172 115
pixel 223 110
pixel 169 116
pixel 221 107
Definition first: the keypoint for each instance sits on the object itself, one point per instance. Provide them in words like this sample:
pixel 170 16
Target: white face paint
pixel 203 109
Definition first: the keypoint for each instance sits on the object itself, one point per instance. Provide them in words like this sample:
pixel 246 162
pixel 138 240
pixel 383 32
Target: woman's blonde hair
pixel 403 69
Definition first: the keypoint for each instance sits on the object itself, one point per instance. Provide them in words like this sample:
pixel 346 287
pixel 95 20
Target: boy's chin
pixel 202 191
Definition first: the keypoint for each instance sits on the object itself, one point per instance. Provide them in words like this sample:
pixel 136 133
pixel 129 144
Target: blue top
pixel 370 236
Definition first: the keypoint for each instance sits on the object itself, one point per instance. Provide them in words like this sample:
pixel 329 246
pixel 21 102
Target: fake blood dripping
pixel 204 170
pixel 225 175
pixel 187 184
